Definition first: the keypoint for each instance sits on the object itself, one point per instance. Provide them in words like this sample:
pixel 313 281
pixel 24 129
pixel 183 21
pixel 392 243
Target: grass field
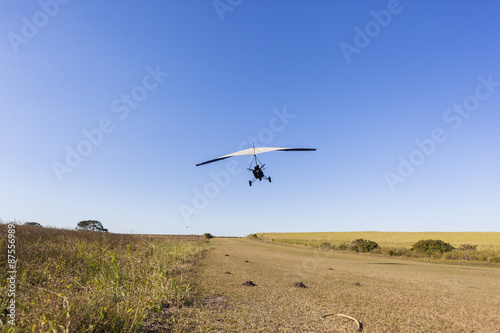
pixel 485 245
pixel 77 281
pixel 483 240
pixel 384 294
pixel 82 281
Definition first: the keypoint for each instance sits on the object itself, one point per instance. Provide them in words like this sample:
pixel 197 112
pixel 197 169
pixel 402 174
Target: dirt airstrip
pixel 383 294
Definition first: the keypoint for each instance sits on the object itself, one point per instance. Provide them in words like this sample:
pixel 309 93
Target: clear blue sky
pixel 401 100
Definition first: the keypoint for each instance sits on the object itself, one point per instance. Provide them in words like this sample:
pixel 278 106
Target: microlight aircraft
pixel 257 170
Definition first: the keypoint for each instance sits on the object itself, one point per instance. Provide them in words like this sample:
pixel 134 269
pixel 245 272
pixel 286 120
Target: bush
pixel 326 246
pixel 253 236
pixel 431 247
pixel 343 247
pixel 207 235
pixel 466 247
pixel 362 245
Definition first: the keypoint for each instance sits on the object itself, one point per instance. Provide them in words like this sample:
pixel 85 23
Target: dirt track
pixel 385 294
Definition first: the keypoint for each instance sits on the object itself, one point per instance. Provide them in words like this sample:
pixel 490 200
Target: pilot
pixel 257 172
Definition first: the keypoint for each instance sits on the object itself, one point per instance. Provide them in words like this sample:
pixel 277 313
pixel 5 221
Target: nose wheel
pixel 269 179
pixel 250 182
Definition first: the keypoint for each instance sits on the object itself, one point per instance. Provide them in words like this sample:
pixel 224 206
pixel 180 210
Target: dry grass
pixel 484 240
pixel 385 294
pixel 84 281
pixel 399 243
pixel 75 281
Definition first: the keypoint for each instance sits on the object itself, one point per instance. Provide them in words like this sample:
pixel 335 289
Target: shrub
pixel 466 247
pixel 343 247
pixel 362 245
pixel 253 236
pixel 326 246
pixel 207 235
pixel 431 247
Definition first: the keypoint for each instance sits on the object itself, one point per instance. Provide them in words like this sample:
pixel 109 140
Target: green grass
pixel 82 281
pixel 488 243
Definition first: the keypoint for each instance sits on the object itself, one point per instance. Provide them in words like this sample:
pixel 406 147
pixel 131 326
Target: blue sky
pixel 106 107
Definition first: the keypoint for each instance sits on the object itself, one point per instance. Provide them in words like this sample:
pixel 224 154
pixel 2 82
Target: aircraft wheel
pixel 250 182
pixel 269 179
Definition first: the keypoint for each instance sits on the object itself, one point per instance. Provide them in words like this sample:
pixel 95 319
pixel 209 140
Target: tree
pixel 33 224
pixel 207 235
pixel 91 225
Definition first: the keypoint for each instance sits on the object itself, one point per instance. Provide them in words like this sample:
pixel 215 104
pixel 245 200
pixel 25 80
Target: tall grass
pixel 83 281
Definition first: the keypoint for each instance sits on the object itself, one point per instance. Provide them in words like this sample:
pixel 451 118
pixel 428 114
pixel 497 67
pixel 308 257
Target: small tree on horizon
pixel 91 225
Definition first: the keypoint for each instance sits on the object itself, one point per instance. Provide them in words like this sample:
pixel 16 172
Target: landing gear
pixel 250 182
pixel 269 179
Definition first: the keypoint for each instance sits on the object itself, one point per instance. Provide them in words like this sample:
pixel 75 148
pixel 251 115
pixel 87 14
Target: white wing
pixel 254 151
